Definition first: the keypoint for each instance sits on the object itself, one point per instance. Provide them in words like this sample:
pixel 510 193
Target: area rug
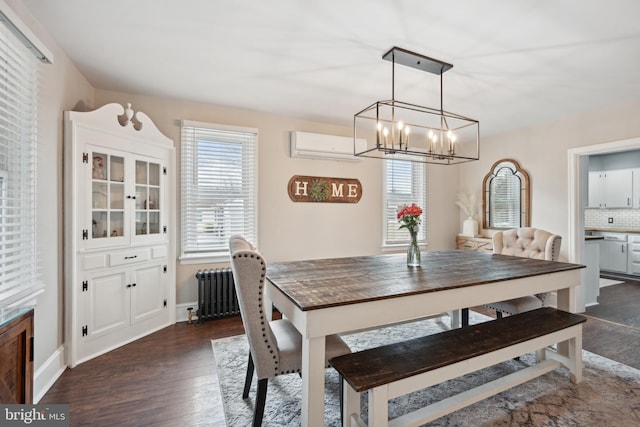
pixel 609 394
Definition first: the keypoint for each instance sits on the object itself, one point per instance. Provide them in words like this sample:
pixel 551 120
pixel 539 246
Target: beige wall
pixel 542 151
pixel 287 230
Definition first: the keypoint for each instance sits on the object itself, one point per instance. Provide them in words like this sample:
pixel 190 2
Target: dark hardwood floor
pixel 613 326
pixel 165 379
pixel 169 378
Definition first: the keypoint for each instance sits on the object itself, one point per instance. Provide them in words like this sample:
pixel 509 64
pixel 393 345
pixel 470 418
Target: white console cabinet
pixel 119 230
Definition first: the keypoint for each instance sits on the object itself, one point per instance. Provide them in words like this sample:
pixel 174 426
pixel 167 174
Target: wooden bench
pixel 396 369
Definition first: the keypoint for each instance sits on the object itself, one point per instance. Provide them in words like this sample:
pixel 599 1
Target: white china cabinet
pixel 119 230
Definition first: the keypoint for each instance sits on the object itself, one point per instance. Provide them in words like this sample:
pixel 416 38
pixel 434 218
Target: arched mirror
pixel 505 196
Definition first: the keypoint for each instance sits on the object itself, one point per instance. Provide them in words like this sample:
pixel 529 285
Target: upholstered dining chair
pixel 526 242
pixel 275 346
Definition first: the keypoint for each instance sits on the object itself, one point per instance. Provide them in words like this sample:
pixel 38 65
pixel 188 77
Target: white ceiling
pixel 516 63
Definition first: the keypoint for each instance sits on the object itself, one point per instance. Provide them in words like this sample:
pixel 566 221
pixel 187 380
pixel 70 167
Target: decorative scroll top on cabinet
pixel 114 117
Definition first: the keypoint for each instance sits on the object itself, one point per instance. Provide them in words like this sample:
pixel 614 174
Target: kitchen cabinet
pixel 636 189
pixel 120 230
pixel 611 189
pixel 633 260
pixel 596 190
pixel 613 252
pixel 592 275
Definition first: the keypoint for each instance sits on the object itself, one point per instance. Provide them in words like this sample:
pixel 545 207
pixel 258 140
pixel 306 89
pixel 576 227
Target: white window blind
pixel 505 199
pixel 19 277
pixel 405 183
pixel 219 187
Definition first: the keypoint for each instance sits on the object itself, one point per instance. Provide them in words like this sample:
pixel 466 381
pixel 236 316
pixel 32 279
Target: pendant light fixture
pixel 399 130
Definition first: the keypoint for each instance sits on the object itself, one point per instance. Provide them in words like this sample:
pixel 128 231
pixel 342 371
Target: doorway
pixel 577 167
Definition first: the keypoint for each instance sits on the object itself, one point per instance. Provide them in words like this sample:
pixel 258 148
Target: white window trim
pixel 219 257
pixel 396 247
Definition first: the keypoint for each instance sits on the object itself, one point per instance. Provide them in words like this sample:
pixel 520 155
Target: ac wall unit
pixel 319 146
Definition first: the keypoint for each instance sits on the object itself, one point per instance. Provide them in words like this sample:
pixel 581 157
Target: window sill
pixel 24 297
pixel 401 247
pixel 204 259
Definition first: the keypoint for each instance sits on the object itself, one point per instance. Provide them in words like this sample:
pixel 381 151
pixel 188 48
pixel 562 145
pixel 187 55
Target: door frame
pixel 578 169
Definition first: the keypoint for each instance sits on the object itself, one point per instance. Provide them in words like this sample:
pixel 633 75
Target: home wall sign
pixel 323 189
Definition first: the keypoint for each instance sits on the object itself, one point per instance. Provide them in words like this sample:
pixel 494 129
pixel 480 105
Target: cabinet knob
pixel 131 197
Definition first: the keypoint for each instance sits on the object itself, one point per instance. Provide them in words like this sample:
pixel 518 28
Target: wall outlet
pixel 610 220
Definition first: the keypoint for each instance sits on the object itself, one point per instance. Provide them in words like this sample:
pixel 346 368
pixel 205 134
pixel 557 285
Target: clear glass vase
pixel 413 251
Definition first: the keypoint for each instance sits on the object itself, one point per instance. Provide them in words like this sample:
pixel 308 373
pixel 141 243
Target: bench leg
pixel 569 353
pixel 378 407
pixel 350 404
pixel 575 356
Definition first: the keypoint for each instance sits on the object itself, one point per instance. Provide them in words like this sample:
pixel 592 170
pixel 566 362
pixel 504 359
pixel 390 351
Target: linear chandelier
pixel 399 130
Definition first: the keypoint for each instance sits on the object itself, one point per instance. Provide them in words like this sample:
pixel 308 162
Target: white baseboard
pixel 48 374
pixel 182 314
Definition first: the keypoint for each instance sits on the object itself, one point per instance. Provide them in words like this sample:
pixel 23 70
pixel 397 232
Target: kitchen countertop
pixel 588 238
pixel 613 230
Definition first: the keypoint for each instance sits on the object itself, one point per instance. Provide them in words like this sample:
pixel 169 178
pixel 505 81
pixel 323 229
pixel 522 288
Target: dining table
pixel 349 294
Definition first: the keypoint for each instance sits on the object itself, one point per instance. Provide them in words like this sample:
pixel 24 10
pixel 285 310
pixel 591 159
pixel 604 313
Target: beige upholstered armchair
pixel 275 346
pixel 526 242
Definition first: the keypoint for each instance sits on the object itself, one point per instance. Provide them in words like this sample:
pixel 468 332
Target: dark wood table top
pixel 322 283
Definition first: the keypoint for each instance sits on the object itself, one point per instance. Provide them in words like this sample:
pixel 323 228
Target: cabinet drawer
pixel 128 257
pixel 161 251
pixel 634 256
pixel 90 262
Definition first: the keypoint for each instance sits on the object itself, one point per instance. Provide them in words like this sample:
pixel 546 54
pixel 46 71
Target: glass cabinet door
pixel 147 198
pixel 107 197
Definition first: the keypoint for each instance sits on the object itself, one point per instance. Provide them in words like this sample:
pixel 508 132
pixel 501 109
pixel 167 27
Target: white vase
pixel 470 227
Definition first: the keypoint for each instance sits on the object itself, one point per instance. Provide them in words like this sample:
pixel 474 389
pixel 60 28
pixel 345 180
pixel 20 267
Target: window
pixel 219 188
pixel 405 183
pixel 506 196
pixel 19 278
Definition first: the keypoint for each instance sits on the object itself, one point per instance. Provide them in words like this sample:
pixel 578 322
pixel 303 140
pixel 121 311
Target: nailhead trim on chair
pixel 263 320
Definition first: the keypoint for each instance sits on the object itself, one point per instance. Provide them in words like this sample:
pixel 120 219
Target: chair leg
pixel 249 378
pixel 261 398
pixel 465 317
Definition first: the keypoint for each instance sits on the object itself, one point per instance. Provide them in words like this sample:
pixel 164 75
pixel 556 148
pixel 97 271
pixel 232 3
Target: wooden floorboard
pixel 169 378
pixel 165 379
pixel 626 294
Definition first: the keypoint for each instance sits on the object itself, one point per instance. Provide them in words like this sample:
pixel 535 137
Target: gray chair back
pixel 249 273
